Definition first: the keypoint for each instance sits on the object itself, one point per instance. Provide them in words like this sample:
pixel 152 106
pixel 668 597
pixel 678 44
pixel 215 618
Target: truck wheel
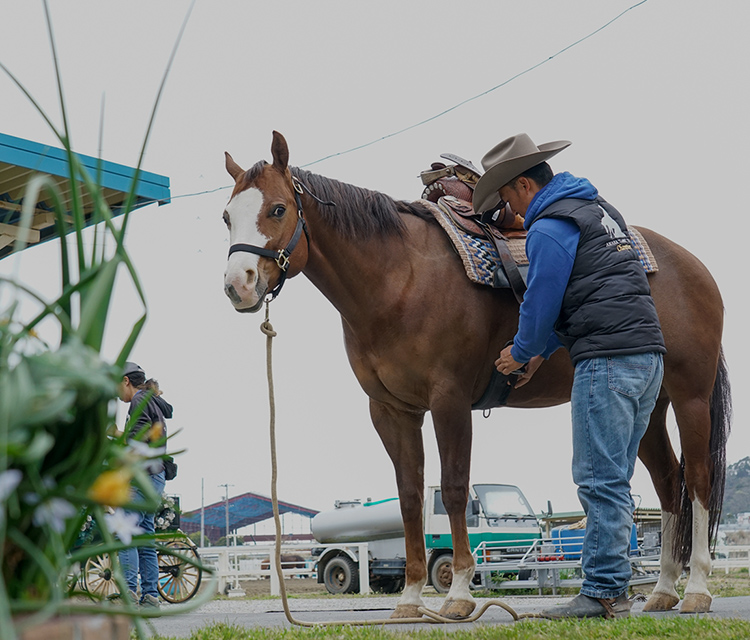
pixel 341 575
pixel 441 573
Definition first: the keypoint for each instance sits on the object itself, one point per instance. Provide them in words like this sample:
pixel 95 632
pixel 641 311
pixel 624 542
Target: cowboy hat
pixel 508 160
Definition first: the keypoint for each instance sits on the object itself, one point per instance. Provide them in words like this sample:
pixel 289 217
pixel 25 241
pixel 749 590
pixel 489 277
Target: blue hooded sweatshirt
pixel 551 247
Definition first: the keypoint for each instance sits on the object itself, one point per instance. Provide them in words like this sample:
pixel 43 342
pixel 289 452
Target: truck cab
pixel 498 515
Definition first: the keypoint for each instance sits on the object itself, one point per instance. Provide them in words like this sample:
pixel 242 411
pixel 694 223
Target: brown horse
pixel 420 337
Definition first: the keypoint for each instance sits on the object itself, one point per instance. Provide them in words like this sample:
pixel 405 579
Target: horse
pixel 421 337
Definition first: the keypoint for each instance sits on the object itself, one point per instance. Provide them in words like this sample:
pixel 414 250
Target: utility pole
pixel 226 510
pixel 203 520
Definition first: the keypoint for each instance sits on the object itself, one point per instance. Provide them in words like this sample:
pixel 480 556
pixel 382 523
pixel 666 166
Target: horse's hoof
pixel 406 611
pixel 696 603
pixel 661 602
pixel 457 609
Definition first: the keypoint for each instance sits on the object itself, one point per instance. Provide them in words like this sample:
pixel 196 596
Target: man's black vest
pixel 607 308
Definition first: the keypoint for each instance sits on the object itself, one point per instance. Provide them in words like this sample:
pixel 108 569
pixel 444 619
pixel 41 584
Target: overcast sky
pixel 655 105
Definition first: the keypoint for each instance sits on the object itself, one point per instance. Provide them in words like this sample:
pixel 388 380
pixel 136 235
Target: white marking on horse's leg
pixel 460 586
pixel 670 568
pixel 700 557
pixel 412 594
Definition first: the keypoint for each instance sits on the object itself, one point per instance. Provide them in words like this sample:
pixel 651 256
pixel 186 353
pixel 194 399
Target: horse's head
pixel 265 224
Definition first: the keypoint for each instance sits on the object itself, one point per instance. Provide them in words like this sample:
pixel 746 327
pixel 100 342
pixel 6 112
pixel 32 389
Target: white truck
pixel 499 518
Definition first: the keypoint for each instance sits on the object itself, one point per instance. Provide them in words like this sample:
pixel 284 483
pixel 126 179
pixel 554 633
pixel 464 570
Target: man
pixel 587 291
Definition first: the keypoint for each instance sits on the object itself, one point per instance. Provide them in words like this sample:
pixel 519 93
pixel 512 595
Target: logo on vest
pixel 610 225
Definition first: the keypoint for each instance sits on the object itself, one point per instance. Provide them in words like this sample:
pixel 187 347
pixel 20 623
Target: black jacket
pixel 156 409
pixel 607 308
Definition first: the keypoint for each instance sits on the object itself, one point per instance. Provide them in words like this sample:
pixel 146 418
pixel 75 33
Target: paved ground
pixel 270 613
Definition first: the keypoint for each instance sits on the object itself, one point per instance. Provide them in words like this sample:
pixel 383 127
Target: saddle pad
pixel 478 255
pixel 643 250
pixel 480 258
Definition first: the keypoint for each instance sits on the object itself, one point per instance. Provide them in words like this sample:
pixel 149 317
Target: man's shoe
pixel 150 601
pixel 130 597
pixel 586 607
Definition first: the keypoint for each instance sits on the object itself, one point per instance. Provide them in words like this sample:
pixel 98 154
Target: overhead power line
pixel 446 111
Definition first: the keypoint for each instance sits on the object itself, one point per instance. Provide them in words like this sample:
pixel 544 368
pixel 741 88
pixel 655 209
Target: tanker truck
pixel 497 515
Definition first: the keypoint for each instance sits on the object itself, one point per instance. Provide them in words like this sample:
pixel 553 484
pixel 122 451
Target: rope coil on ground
pixel 429 616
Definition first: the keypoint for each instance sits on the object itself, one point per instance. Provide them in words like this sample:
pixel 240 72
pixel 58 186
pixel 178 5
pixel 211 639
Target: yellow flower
pixel 156 432
pixel 112 488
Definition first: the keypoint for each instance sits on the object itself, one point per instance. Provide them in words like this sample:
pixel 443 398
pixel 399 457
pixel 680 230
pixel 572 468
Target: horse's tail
pixel 720 407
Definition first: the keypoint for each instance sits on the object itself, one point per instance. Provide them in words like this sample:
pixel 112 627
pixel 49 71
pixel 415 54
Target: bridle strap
pixel 282 256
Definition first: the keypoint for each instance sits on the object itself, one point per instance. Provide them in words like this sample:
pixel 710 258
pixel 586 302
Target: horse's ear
pixel 280 152
pixel 233 168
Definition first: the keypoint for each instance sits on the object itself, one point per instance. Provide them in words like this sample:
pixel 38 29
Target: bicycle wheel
pixel 98 578
pixel 179 580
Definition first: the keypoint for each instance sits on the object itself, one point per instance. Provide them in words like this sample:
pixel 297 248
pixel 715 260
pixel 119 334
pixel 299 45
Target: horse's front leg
pixel 401 433
pixel 452 420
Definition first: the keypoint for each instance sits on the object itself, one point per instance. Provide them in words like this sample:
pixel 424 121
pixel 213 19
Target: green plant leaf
pixel 95 305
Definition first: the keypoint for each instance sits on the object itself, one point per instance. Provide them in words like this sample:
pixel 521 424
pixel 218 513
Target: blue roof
pixel 21 159
pixel 244 510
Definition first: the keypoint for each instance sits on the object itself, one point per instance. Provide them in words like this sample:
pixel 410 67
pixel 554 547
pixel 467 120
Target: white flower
pixel 9 480
pixel 151 455
pixel 141 448
pixel 53 512
pixel 123 524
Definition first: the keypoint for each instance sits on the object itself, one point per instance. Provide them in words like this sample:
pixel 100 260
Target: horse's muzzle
pixel 236 299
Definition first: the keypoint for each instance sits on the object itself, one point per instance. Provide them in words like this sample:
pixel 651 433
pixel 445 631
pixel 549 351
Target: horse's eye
pixel 226 220
pixel 278 211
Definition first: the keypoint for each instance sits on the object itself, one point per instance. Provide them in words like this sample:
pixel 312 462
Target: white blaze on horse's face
pixel 243 283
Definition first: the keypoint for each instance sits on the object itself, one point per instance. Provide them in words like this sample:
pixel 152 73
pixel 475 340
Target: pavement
pixel 270 613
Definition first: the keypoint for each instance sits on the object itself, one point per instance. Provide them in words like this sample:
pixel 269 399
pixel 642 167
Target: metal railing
pixel 549 563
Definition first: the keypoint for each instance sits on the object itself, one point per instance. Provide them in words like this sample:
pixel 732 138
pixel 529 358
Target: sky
pixel 655 105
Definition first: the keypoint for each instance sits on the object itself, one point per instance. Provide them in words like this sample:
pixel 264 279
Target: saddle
pixel 451 187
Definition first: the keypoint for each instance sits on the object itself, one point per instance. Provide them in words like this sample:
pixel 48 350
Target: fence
pixel 731 556
pixel 256 562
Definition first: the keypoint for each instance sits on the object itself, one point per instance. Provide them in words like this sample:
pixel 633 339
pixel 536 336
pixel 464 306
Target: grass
pixel 642 627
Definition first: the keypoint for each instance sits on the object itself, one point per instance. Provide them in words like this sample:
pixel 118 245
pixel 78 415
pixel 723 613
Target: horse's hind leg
pixel 686 507
pixel 694 419
pixel 657 454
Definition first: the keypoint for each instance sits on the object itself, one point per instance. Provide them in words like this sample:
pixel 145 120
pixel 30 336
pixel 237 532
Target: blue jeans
pixel 612 401
pixel 143 559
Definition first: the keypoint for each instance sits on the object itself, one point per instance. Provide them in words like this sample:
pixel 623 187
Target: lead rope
pixel 431 616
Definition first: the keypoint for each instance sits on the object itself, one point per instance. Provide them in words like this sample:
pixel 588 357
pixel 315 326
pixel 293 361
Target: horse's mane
pixel 360 213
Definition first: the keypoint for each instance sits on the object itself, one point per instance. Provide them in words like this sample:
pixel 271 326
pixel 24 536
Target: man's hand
pixel 505 363
pixel 531 368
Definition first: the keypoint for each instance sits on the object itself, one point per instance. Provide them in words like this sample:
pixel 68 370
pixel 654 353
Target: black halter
pixel 282 256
